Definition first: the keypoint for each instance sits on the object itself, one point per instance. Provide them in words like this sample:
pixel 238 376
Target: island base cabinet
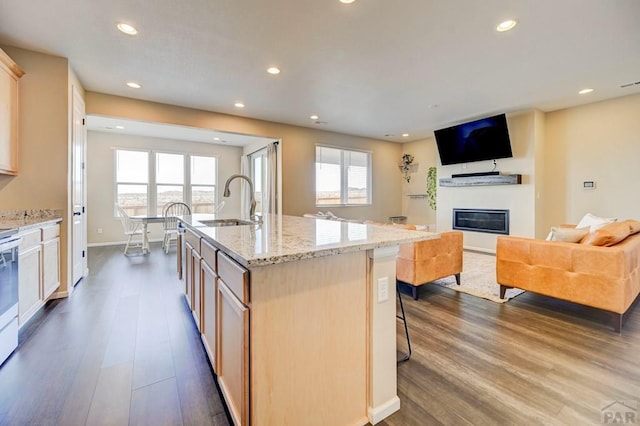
pixel 209 309
pixel 188 274
pixel 233 353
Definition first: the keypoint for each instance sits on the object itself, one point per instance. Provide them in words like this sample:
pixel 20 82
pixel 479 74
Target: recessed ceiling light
pixel 216 139
pixel 404 135
pixel 120 127
pixel 127 29
pixel 347 1
pixel 133 85
pixel 585 91
pixel 314 117
pixel 432 106
pixel 239 105
pixel 273 70
pixel 506 25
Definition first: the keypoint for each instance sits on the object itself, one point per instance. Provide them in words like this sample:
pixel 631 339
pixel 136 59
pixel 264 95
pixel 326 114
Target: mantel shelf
pixel 482 180
pixel 413 167
pixel 416 195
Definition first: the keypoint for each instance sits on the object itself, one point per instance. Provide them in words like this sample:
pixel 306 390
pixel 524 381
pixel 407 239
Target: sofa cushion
pixel 594 222
pixel 634 226
pixel 568 235
pixel 608 235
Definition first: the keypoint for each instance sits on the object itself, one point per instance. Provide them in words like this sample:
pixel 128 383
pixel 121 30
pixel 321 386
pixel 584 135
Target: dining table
pixel 145 220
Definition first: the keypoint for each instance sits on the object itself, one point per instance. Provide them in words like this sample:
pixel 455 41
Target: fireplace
pixel 481 220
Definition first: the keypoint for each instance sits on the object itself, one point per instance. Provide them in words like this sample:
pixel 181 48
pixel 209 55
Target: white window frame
pixel 344 190
pixel 152 184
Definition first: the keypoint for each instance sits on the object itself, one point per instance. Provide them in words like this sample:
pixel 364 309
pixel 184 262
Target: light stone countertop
pixel 282 238
pixel 28 219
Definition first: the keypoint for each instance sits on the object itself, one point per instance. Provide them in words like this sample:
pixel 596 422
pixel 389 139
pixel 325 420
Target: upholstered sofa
pixel 426 261
pixel 603 277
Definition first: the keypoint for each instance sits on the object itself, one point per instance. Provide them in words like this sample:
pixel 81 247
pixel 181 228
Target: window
pixel 203 184
pixel 342 177
pixel 176 178
pixel 132 181
pixel 169 180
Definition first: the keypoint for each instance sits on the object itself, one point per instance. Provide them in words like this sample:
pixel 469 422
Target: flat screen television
pixel 484 139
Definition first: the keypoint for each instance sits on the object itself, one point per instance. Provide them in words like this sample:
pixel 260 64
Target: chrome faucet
pixel 227 192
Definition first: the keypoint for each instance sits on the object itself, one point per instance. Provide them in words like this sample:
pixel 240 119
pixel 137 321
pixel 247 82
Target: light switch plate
pixel 383 289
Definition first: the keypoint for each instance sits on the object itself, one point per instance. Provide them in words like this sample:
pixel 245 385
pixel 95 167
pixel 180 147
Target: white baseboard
pixel 117 243
pixel 381 412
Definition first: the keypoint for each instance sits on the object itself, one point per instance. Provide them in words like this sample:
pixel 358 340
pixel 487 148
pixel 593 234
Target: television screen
pixel 484 139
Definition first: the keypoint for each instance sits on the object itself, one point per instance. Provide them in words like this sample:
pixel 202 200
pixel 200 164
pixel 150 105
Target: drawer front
pixel 208 254
pixel 234 276
pixel 193 239
pixel 30 239
pixel 50 232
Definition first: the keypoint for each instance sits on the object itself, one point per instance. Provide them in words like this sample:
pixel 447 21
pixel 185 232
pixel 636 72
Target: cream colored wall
pixel 42 182
pixel 100 178
pixel 425 154
pixel 298 152
pixel 518 199
pixel 596 142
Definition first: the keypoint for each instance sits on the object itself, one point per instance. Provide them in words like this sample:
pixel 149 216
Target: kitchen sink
pixel 226 222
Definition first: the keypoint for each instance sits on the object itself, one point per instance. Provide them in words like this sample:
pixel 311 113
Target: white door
pixel 78 191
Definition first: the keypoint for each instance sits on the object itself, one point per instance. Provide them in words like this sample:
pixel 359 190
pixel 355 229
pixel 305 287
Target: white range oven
pixel 8 293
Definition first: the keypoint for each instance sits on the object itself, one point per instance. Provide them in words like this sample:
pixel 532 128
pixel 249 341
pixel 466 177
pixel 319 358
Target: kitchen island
pixel 298 316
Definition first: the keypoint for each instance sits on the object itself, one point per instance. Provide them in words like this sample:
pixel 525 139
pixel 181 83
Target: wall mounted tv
pixel 484 139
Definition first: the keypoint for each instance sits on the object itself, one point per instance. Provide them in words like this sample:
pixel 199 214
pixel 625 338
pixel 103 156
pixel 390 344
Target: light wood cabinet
pixel 233 353
pixel 50 260
pixel 196 308
pixel 39 269
pixel 188 274
pixel 10 72
pixel 209 301
pixel 29 276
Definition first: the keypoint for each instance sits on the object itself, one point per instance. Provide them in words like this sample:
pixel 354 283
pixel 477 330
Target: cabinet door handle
pixel 77 213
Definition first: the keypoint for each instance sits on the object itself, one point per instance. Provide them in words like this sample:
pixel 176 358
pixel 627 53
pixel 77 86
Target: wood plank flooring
pixel 533 360
pixel 123 350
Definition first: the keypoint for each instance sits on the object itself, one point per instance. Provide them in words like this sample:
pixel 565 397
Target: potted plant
pixel 405 167
pixel 432 186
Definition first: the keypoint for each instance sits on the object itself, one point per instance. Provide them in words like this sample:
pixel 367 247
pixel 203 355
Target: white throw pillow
pixel 568 235
pixel 594 222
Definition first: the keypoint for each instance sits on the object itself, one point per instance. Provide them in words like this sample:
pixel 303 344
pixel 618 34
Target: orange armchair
pixel 426 261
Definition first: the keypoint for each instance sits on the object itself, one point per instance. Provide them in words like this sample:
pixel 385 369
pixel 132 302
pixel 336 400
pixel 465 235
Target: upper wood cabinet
pixel 10 72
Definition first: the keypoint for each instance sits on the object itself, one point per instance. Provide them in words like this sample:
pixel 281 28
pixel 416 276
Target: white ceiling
pixel 370 68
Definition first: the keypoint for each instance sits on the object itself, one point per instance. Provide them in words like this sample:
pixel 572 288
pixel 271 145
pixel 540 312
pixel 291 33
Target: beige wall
pixel 518 199
pixel 298 152
pixel 100 178
pixel 417 210
pixel 42 182
pixel 597 142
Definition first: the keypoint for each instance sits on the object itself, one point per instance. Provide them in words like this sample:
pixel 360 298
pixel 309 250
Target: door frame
pixel 78 101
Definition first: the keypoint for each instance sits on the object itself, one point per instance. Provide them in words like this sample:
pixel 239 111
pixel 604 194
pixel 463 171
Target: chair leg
pixel 457 279
pixel 404 320
pixel 126 247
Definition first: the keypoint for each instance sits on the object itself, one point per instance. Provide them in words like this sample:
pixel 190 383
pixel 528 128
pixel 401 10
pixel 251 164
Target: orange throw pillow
pixel 634 225
pixel 608 235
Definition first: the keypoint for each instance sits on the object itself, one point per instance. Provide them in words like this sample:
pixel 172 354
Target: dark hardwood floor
pixel 123 350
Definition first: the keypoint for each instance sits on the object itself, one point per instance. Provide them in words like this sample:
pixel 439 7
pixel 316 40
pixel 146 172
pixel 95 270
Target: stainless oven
pixel 8 293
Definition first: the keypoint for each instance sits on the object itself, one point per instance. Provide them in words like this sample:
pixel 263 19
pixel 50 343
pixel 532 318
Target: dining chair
pixel 170 213
pixel 132 229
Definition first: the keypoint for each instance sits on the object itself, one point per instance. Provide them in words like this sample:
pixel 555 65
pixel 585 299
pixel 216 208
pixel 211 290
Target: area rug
pixel 478 278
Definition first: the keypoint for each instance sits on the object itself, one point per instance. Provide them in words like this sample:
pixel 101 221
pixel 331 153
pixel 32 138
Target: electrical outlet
pixel 99 230
pixel 383 289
